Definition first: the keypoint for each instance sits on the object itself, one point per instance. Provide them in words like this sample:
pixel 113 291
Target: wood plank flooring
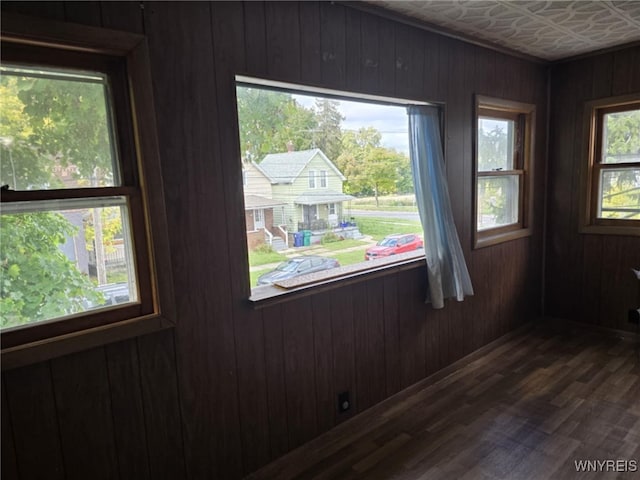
pixel 528 408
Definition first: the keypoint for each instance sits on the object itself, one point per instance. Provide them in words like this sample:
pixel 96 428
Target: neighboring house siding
pixel 257 183
pixel 290 191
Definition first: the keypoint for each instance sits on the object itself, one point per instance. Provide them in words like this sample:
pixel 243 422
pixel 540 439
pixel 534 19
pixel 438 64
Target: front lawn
pixel 262 257
pixel 379 227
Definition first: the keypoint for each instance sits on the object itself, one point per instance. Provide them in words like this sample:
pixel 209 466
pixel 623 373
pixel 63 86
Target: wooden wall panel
pixel 9 464
pixel 36 434
pixel 128 409
pixel 83 407
pixel 231 388
pixel 588 277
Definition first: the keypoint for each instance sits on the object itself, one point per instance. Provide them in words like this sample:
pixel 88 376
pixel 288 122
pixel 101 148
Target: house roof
pixel 286 167
pixel 323 196
pixel 253 202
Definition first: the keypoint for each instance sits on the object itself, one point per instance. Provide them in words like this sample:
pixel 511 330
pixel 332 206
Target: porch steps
pixel 278 244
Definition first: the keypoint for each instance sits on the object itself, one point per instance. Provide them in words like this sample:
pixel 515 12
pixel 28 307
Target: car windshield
pixel 388 242
pixel 288 266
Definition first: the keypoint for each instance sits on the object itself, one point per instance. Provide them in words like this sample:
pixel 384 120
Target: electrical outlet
pixel 344 403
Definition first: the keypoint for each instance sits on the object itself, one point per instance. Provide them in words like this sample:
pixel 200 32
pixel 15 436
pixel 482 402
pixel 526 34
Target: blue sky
pixel 390 121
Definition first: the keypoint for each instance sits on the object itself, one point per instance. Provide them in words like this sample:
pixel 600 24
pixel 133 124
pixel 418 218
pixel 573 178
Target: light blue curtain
pixel 446 269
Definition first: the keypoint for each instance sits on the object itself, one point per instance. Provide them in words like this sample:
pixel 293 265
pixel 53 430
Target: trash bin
pixel 298 239
pixel 307 238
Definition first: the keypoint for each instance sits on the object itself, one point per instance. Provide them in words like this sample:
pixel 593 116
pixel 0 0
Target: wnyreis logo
pixel 606 465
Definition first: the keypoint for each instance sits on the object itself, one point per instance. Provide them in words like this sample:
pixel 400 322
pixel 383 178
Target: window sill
pixel 53 347
pixel 489 238
pixel 318 282
pixel 628 230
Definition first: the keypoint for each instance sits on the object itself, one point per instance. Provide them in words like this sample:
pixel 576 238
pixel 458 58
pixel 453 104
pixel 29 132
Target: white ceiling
pixel 547 29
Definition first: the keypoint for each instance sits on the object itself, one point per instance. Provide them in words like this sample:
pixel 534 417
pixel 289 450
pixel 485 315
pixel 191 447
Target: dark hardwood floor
pixel 527 408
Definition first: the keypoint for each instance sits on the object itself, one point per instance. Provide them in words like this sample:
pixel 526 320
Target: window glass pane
pixel 497 201
pixel 63 261
pixel 55 130
pixel 620 194
pixel 334 178
pixel 495 144
pixel 621 137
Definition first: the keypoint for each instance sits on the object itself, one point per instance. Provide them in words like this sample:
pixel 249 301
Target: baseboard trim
pixel 562 325
pixel 368 419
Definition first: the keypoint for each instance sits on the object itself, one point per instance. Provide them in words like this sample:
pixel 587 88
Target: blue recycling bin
pixel 298 239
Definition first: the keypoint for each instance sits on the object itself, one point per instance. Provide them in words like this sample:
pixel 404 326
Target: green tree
pixel 370 168
pixel 269 120
pixel 46 123
pixel 38 281
pixel 327 134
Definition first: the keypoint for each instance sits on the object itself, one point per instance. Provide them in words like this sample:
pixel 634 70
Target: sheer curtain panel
pixel 447 272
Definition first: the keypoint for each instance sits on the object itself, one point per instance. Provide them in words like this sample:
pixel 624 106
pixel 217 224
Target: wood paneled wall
pixel 232 388
pixel 588 277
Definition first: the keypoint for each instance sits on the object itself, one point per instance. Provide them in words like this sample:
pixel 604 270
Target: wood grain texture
pixel 498 416
pixel 36 432
pixel 231 388
pixel 588 277
pixel 123 367
pixel 83 407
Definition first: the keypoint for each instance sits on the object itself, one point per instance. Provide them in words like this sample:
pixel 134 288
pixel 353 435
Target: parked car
pixel 297 266
pixel 114 294
pixel 394 244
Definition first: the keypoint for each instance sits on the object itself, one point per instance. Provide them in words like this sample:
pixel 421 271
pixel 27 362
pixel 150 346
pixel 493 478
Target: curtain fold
pixel 447 272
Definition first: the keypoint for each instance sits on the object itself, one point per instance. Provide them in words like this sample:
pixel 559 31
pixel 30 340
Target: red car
pixel 393 244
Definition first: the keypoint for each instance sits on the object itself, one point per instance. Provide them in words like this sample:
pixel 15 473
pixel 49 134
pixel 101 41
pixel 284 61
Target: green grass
pixel 349 258
pixel 386 208
pixel 379 228
pixel 261 258
pixel 386 200
pixel 342 244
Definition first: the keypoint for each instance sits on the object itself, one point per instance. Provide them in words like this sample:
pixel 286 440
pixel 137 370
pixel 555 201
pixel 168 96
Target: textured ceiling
pixel 551 29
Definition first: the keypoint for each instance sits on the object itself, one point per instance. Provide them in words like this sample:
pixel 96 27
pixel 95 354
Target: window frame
pixel 594 113
pixel 323 179
pixel 124 57
pixel 523 116
pixel 269 295
pixel 312 179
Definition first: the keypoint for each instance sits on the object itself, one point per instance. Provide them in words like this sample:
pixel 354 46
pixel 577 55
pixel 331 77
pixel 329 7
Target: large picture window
pixel 502 170
pixel 613 177
pixel 76 223
pixel 332 173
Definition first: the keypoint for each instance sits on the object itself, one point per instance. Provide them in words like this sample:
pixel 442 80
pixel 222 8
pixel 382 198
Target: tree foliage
pixel 370 168
pixel 268 120
pixel 327 134
pixel 38 281
pixel 47 123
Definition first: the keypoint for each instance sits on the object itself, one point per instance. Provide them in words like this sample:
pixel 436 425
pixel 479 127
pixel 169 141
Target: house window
pixel 258 219
pixel 75 219
pixel 323 179
pixel 336 169
pixel 502 170
pixel 613 175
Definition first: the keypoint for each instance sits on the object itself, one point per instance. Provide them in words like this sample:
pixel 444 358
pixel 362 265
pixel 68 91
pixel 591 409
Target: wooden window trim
pixel 156 310
pixel 523 114
pixel 590 173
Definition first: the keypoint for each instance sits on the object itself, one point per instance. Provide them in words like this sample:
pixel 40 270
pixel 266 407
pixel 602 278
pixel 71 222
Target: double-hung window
pixel 502 170
pixel 612 186
pixel 80 228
